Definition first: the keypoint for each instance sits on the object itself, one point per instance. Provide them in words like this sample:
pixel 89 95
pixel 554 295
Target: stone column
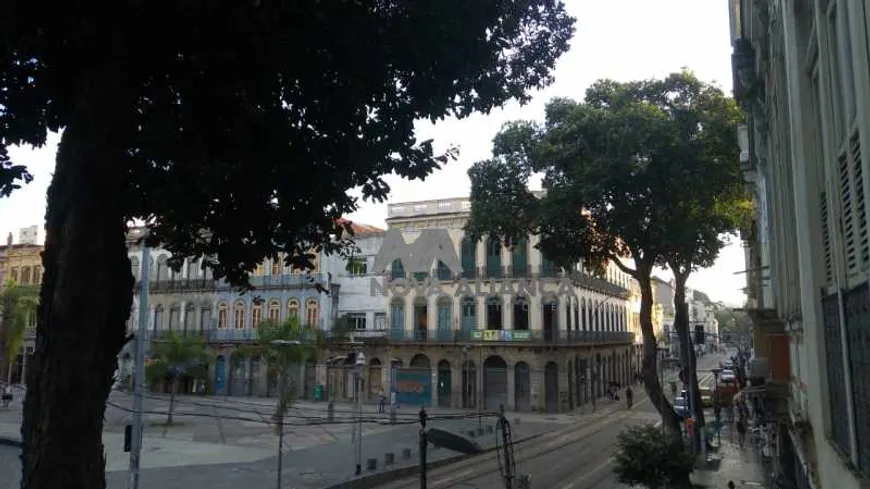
pixel 511 387
pixel 507 312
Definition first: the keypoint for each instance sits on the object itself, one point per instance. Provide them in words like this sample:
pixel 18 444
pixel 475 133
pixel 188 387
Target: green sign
pixel 500 335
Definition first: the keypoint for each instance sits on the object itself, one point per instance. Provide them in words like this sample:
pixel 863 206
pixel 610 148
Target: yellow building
pixel 22 264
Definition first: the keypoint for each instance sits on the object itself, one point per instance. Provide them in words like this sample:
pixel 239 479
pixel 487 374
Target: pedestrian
pixel 7 395
pixel 382 402
pixel 629 396
pixel 741 431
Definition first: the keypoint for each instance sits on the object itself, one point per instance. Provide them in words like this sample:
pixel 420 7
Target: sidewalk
pixel 743 466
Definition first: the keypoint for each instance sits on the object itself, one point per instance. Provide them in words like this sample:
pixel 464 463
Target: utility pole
pixel 139 372
pixel 281 393
pixel 360 362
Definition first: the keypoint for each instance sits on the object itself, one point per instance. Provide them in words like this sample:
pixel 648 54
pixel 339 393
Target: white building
pixel 802 72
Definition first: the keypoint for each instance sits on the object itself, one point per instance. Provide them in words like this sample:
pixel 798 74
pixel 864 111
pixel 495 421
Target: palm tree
pixel 285 345
pixel 17 308
pixel 173 357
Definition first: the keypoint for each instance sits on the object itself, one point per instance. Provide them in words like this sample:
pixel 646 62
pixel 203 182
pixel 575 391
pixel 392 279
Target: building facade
pixel 802 74
pixel 22 263
pixel 488 325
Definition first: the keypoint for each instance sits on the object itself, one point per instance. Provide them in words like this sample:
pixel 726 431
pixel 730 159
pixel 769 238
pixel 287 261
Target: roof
pixel 359 229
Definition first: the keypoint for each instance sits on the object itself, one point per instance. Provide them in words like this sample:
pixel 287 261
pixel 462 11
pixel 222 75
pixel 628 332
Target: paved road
pixel 574 458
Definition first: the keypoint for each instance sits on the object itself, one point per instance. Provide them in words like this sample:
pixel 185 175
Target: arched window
pixel 293 309
pixel 223 312
pixel 274 310
pixel 37 275
pixel 239 315
pixel 25 275
pixel 162 269
pixel 256 313
pixel 311 313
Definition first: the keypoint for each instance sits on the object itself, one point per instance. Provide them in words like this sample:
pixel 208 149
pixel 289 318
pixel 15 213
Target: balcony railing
pixel 259 281
pixel 508 336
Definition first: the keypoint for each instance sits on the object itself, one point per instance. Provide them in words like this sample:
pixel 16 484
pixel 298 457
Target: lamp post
pixel 139 372
pixel 360 362
pixel 281 394
pixel 466 387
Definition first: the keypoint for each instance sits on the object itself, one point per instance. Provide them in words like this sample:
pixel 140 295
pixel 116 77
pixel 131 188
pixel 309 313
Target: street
pixel 573 458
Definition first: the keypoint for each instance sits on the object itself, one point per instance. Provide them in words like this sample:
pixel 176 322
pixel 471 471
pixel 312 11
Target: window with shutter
pixel 860 202
pixel 826 240
pixel 847 215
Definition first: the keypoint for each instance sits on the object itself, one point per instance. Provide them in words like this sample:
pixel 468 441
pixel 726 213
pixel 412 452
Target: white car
pixel 727 375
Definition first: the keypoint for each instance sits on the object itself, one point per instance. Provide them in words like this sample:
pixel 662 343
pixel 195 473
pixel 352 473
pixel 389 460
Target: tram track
pixel 459 475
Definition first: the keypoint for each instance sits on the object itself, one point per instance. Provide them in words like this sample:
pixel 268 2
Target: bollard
pixel 480 431
pixel 490 428
pixel 372 464
pixel 330 411
pixel 389 458
pixel 406 454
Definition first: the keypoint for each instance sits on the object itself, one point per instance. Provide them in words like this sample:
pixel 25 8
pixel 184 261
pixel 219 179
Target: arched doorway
pixel 522 387
pixel 238 376
pixel 375 375
pixel 220 372
pixel 494 383
pixel 551 387
pixel 469 385
pixel 414 384
pixel 255 377
pixel 445 384
pixel 310 378
pixel 550 312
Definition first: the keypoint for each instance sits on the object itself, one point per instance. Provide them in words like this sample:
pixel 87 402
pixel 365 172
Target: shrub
pixel 647 457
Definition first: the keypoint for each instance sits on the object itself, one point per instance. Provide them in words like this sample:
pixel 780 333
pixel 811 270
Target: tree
pixel 708 204
pixel 284 346
pixel 174 357
pixel 613 168
pixel 235 134
pixel 647 457
pixel 17 308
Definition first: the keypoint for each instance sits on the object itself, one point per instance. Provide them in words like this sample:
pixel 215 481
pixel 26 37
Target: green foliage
pixel 174 356
pixel 18 305
pixel 645 169
pixel 646 457
pixel 241 143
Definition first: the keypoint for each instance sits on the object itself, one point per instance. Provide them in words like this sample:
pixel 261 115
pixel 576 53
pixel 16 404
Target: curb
pixel 372 480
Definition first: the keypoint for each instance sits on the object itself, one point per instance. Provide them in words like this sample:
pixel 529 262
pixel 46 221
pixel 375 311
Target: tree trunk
pixel 86 292
pixel 171 410
pixel 681 324
pixel 649 364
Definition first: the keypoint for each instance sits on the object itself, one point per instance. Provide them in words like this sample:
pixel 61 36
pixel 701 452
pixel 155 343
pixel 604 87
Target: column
pixel 409 314
pixel 456 378
pixel 562 307
pixel 182 315
pixel 507 312
pixel 511 386
pixel 431 319
pixel 481 312
pixel 480 256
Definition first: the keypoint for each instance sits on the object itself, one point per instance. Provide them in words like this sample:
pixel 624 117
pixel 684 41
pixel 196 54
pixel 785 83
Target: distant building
pixel 22 264
pixel 493 333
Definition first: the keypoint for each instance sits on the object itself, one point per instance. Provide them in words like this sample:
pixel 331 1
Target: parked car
pixel 681 406
pixel 727 375
pixel 706 397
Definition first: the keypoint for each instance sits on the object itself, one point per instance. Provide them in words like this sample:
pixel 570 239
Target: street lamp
pixel 281 409
pixel 359 363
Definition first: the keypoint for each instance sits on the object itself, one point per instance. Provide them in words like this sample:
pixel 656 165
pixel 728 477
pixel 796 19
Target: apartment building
pixel 802 74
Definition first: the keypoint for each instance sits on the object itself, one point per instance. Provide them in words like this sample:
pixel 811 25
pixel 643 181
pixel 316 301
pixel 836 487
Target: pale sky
pixel 618 39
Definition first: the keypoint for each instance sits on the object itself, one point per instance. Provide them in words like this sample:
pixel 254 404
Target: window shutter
pixel 847 216
pixel 861 237
pixel 826 240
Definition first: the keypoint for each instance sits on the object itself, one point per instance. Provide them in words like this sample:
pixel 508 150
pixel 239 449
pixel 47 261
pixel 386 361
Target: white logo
pixel 421 255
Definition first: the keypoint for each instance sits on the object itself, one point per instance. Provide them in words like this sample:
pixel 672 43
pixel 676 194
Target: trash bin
pixel 318 392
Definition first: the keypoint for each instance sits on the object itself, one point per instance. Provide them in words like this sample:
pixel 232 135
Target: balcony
pixel 268 282
pixel 510 336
